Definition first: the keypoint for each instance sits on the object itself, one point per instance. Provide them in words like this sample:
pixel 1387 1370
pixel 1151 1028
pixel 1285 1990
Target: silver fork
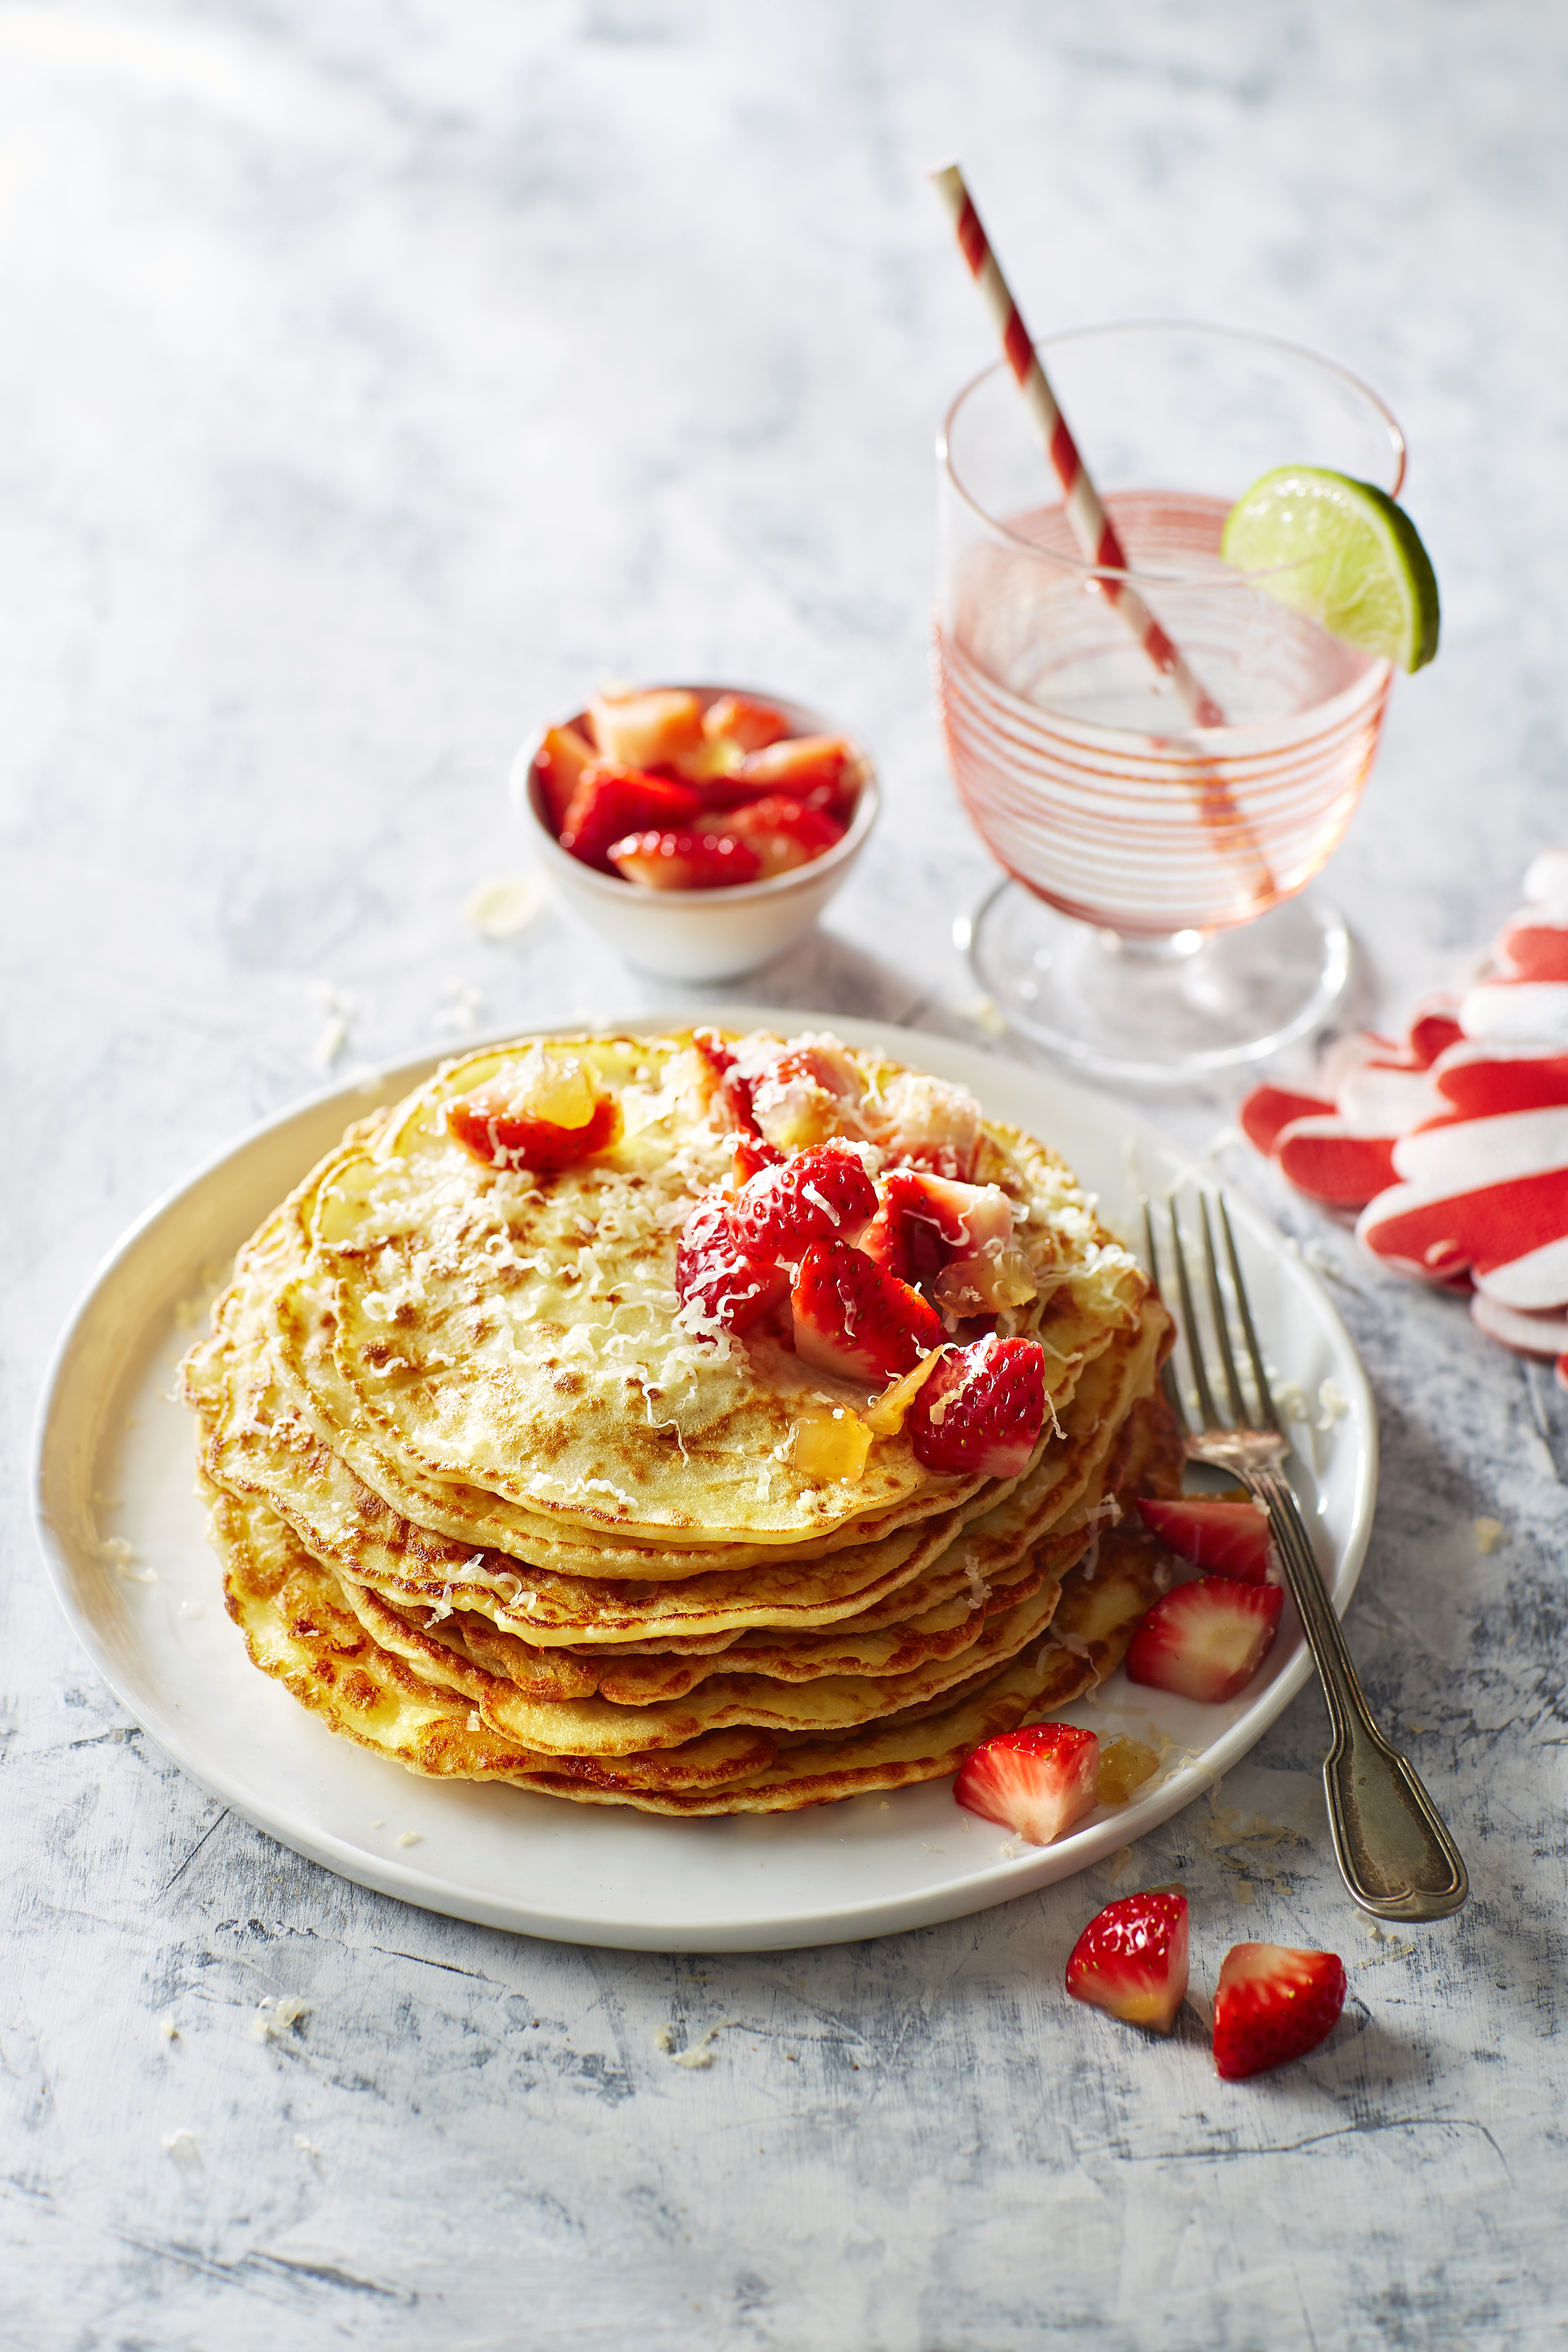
pixel 1394 1853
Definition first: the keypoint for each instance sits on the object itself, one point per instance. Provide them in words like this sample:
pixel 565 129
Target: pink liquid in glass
pixel 1078 764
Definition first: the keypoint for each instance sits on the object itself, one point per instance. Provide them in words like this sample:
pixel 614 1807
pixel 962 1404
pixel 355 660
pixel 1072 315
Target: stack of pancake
pixel 488 1504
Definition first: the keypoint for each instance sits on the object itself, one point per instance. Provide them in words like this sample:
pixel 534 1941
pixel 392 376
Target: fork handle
pixel 1392 1847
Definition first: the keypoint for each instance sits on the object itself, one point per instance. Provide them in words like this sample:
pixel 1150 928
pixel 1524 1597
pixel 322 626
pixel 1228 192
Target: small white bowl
pixel 697 934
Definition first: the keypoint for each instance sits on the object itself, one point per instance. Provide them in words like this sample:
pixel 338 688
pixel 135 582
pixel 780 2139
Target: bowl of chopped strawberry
pixel 702 830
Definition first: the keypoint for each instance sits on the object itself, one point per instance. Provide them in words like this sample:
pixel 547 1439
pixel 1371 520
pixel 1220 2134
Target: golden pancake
pixel 493 1503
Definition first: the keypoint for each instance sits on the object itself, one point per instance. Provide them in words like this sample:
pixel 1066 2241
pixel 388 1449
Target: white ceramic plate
pixel 114 1470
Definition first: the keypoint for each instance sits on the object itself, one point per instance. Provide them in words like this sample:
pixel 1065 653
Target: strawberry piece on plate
pixel 1036 1782
pixel 741 719
pixel 802 1095
pixel 684 861
pixel 983 1408
pixel 822 1194
pixel 1131 1959
pixel 784 833
pixel 752 1154
pixel 544 1113
pixel 714 1271
pixel 559 763
pixel 1228 1539
pixel 855 1321
pixel 657 728
pixel 1273 2003
pixel 917 1227
pixel 1206 1640
pixel 612 801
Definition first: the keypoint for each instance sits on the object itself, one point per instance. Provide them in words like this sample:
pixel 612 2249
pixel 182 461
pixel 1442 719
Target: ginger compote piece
pixel 701 1423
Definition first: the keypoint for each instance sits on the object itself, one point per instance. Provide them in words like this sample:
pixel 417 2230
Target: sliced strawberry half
pixel 955 1239
pixel 740 719
pixel 714 1273
pixel 1273 2003
pixel 825 770
pixel 821 1194
pixel 611 801
pixel 544 1112
pixel 855 1321
pixel 684 861
pixel 1228 1539
pixel 752 1154
pixel 1131 1959
pixel 657 728
pixel 559 763
pixel 1205 1640
pixel 1036 1782
pixel 917 1227
pixel 983 1408
pixel 783 832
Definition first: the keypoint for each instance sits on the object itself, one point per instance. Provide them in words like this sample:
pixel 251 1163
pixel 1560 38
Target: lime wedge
pixel 1343 552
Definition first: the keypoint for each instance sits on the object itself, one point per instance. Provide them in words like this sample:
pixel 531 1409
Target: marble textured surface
pixel 371 378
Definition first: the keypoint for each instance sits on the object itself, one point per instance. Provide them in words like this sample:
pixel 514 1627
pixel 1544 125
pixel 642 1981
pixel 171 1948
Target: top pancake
pixel 501 1337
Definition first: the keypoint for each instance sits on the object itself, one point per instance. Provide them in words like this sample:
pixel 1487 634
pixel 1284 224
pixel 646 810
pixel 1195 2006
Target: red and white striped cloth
pixel 1454 1144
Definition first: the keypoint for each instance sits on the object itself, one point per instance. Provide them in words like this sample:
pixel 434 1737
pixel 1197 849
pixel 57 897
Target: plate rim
pixel 961 1895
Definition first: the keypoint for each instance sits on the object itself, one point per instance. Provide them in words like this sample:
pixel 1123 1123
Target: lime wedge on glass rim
pixel 1344 552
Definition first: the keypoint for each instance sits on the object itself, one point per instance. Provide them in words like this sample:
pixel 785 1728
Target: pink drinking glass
pixel 1153 927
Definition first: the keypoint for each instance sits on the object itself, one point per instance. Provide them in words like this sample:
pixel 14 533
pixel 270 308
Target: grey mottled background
pixel 371 379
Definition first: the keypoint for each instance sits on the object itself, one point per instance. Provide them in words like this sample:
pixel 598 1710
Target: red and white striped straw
pixel 1092 526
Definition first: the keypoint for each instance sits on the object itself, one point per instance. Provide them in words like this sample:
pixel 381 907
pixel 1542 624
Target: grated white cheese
pixel 276 2019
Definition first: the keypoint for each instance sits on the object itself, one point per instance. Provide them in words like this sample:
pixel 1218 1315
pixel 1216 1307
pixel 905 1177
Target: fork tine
pixel 1221 1317
pixel 1190 1324
pixel 1168 1380
pixel 1265 1401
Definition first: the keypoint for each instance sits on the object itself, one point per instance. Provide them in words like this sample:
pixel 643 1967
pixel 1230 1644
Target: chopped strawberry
pixel 825 770
pixel 783 832
pixel 1131 1959
pixel 819 1195
pixel 713 1270
pixel 611 801
pixel 1273 2003
pixel 752 1155
pixel 926 1123
pixel 740 719
pixel 1205 1640
pixel 855 1321
pixel 802 1094
pixel 956 1239
pixel 916 1229
pixel 686 861
pixel 1268 1110
pixel 983 1408
pixel 1228 1539
pixel 1037 1782
pixel 559 763
pixel 716 1058
pixel 654 729
pixel 545 1113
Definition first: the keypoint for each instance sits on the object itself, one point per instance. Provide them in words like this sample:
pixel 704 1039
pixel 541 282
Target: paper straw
pixel 1092 526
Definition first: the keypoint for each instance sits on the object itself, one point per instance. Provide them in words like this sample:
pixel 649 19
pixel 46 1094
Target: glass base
pixel 1156 1012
